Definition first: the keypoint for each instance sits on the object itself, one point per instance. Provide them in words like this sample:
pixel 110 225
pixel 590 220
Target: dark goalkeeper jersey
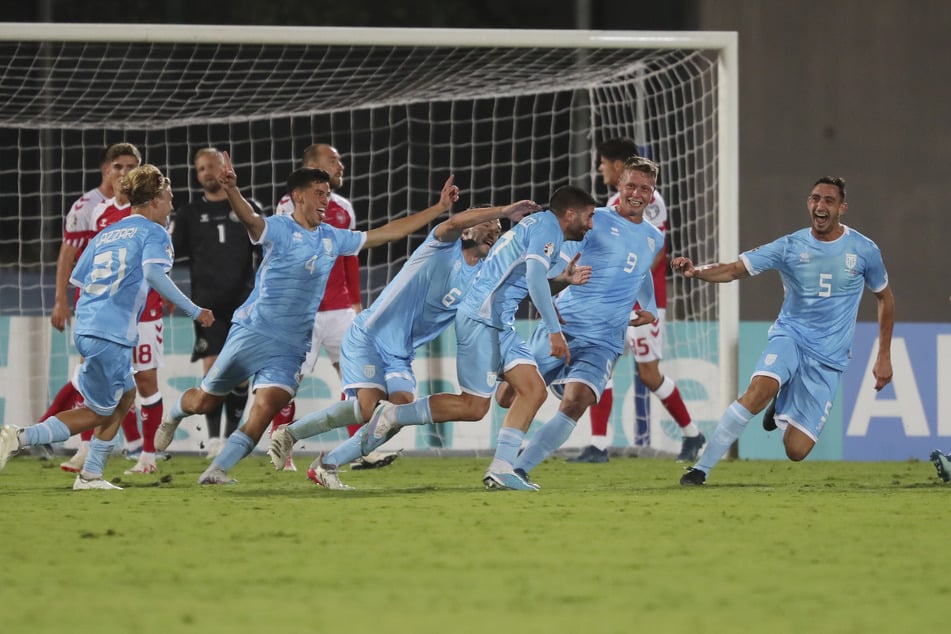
pixel 221 258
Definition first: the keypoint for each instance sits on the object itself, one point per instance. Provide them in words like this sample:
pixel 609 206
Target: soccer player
pixel 341 301
pixel 271 332
pixel 411 311
pixel 646 340
pixel 206 232
pixel 488 346
pixel 824 269
pixel 78 230
pixel 147 355
pixel 621 249
pixel 114 273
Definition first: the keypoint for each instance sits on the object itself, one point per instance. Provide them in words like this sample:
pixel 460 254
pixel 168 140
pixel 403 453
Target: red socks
pixel 601 413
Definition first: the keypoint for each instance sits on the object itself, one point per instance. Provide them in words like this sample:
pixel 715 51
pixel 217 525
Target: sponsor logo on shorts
pixel 770 359
pixel 490 378
pixel 369 371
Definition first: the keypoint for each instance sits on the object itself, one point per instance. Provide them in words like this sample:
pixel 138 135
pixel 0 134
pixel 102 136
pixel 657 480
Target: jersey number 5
pixel 825 284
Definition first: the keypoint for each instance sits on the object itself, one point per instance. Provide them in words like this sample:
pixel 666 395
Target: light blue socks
pixel 546 440
pixel 731 425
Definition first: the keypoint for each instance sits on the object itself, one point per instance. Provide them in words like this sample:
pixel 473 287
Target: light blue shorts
pixel 807 386
pixel 591 364
pixel 105 373
pixel 484 353
pixel 362 365
pixel 246 354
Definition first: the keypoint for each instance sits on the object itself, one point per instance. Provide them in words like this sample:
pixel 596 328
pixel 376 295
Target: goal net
pixel 513 114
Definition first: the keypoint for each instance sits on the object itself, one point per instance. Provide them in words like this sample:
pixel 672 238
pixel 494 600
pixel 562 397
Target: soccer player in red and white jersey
pixel 79 227
pixel 342 300
pixel 645 341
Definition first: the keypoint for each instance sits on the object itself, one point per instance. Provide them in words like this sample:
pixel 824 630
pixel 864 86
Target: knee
pixel 798 451
pixel 796 454
pixel 476 406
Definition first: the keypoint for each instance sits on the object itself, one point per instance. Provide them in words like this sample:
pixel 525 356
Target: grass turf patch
pixel 421 547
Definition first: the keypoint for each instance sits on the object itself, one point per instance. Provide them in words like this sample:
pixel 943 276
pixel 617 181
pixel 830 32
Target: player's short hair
pixel 212 151
pixel 312 153
pixel 116 150
pixel 833 180
pixel 619 149
pixel 641 164
pixel 569 197
pixel 144 183
pixel 304 177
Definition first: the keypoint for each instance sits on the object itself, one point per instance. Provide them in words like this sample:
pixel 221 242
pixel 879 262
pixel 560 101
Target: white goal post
pixel 512 113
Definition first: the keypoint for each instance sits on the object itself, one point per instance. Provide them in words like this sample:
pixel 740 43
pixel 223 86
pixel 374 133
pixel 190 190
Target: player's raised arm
pixel 451 229
pixel 402 227
pixel 253 222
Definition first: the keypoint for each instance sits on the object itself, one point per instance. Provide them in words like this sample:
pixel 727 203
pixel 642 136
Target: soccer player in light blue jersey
pixel 379 347
pixel 114 273
pixel 489 348
pixel 824 269
pixel 271 332
pixel 621 249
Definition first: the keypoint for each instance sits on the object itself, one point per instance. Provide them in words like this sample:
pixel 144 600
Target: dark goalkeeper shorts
pixel 209 341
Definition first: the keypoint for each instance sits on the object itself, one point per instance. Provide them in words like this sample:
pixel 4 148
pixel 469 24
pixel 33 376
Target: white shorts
pixel 330 326
pixel 147 353
pixel 647 341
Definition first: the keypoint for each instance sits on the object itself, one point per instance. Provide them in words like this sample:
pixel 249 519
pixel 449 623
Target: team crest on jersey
pixel 804 258
pixel 850 261
pixel 490 378
pixel 297 237
pixel 204 218
pixel 652 211
pixel 549 248
pixel 770 359
pixel 651 244
pixel 369 371
pixel 328 245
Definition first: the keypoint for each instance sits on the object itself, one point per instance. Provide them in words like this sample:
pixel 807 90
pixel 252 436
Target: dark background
pixel 852 88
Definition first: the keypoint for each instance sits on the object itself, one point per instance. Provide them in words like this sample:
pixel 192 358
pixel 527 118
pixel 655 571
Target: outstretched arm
pixel 717 273
pixel 882 370
pixel 451 230
pixel 161 282
pixel 402 227
pixel 252 222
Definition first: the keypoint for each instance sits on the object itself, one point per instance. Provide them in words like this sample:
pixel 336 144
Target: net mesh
pixel 509 123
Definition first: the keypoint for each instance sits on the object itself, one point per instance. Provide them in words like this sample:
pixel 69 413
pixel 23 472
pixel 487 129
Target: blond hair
pixel 143 184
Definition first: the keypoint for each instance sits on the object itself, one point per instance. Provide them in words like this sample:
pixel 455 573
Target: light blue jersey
pixel 500 285
pixel 620 253
pixel 110 275
pixel 822 284
pixel 290 282
pixel 421 300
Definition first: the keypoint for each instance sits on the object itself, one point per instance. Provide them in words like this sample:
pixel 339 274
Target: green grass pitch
pixel 421 547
